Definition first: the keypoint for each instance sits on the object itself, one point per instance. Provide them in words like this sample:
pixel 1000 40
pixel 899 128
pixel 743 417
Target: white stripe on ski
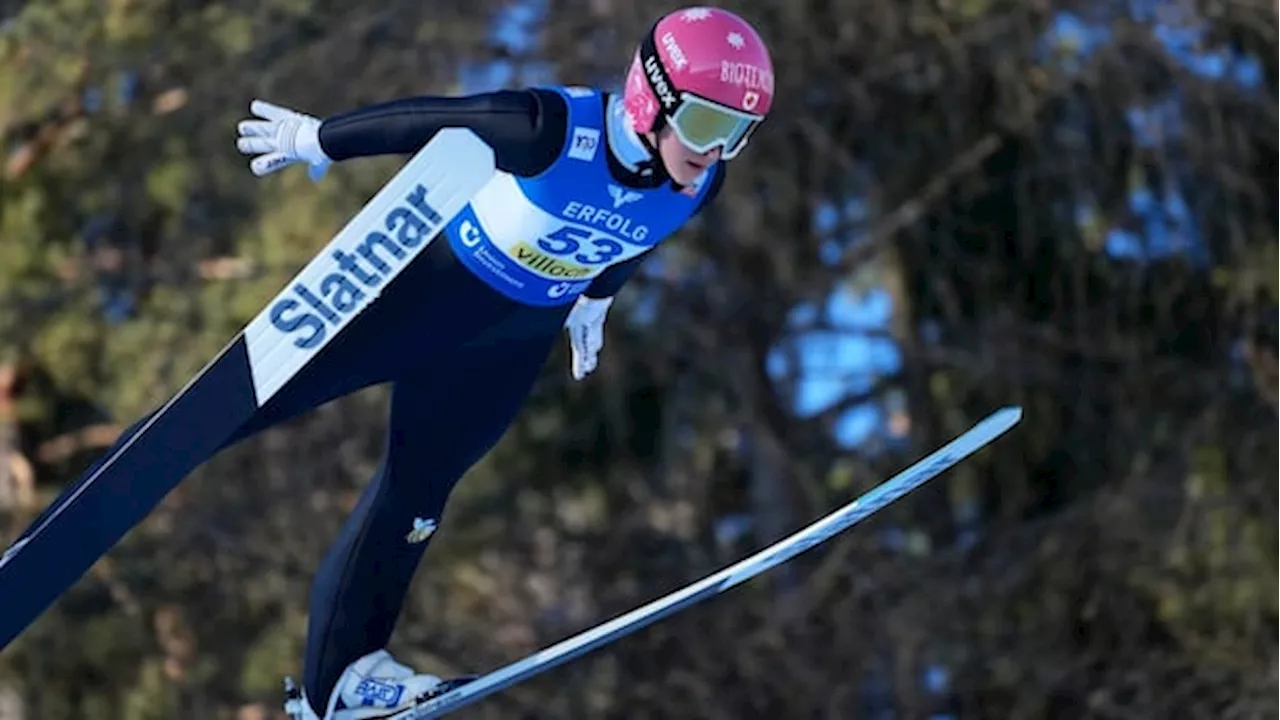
pixel 388 233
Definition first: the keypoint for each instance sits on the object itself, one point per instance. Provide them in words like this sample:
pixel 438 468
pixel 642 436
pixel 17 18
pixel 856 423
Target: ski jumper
pixel 461 336
pixel 493 300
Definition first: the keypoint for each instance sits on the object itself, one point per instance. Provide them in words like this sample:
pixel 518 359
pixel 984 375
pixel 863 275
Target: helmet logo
pixel 658 80
pixel 675 51
pixel 735 40
pixel 746 75
pixel 750 99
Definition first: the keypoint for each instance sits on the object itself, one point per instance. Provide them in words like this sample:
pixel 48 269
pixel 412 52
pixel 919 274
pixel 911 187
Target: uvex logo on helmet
pixel 659 81
pixel 674 51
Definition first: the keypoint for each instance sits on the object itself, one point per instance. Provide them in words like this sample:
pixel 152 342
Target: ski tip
pixel 1011 413
pixel 1001 420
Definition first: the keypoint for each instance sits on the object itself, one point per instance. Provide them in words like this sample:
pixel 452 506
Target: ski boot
pixel 371 688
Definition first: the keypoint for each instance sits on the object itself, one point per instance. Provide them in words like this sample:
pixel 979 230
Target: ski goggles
pixel 703 125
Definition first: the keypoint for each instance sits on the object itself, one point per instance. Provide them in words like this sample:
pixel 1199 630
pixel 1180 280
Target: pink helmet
pixel 705 72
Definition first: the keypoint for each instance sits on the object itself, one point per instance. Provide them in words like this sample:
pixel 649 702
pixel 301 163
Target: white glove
pixel 281 138
pixel 586 333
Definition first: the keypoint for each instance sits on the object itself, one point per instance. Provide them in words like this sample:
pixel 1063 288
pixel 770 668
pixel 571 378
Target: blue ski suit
pixel 576 205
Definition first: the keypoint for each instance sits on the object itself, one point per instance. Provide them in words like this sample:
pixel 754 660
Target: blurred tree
pixel 1066 205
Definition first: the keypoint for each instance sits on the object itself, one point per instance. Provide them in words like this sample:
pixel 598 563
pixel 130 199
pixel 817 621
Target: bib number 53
pixel 569 240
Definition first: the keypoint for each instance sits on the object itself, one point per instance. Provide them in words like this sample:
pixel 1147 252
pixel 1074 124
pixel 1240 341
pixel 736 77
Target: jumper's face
pixel 682 164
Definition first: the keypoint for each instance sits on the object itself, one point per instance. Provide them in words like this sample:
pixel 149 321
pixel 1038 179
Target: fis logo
pixel 621 196
pixel 357 272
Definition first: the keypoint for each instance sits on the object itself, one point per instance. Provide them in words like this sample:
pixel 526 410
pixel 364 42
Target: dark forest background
pixel 1068 205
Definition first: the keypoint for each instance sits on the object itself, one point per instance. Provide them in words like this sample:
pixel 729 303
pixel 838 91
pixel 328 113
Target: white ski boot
pixel 375 686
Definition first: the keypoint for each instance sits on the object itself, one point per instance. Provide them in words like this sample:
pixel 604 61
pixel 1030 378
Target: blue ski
pixel 118 492
pixel 980 435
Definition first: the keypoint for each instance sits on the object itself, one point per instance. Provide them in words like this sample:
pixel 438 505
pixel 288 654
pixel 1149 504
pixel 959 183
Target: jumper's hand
pixel 281 137
pixel 585 325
